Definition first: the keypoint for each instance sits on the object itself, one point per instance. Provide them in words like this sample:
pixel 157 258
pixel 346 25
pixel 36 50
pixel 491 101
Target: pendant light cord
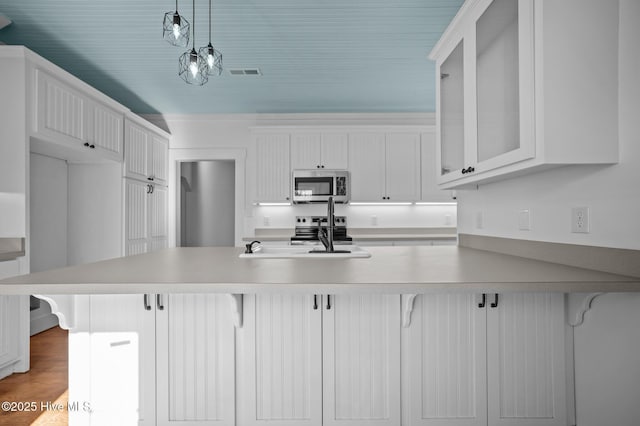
pixel 193 26
pixel 209 21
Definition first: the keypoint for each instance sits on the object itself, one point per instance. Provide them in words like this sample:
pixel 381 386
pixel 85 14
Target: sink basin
pixel 306 252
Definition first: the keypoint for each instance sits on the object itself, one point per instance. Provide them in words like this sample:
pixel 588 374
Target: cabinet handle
pixel 317 166
pixel 484 301
pixel 315 302
pixel 86 144
pixel 287 198
pixel 151 187
pixel 147 305
pixel 494 304
pixel 92 146
pixel 328 301
pixel 322 167
pixel 150 178
pixel 148 189
pixel 159 302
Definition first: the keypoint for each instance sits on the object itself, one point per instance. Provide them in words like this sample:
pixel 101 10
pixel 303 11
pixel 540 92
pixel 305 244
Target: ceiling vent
pixel 245 71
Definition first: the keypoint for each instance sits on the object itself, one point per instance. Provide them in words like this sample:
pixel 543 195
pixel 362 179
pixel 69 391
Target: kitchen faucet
pixel 327 238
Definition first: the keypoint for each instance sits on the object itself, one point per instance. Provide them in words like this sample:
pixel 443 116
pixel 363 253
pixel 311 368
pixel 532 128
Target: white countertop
pixel 365 234
pixel 393 270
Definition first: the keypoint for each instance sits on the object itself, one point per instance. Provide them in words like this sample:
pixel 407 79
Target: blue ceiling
pixel 315 55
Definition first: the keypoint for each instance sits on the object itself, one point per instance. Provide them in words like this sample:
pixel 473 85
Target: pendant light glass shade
pixel 193 68
pixel 175 28
pixel 212 57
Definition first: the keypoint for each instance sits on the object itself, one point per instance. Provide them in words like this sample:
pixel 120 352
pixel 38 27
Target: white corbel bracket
pixel 407 308
pixel 236 309
pixel 62 306
pixel 577 305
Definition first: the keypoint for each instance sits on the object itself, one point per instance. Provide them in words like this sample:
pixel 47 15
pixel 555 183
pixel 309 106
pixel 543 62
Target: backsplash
pixel 358 216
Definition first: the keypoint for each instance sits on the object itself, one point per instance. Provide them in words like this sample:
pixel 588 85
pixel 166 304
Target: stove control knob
pixel 304 220
pixel 298 220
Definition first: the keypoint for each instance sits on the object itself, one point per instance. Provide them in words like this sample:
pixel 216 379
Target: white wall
pixel 611 192
pixel 48 208
pixel 12 149
pixel 607 362
pixel 234 131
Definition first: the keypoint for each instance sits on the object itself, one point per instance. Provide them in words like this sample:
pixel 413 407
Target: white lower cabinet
pixel 468 362
pixel 320 360
pixel 146 225
pixel 154 359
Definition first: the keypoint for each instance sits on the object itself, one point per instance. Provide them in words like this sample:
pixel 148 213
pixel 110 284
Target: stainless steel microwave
pixel 316 186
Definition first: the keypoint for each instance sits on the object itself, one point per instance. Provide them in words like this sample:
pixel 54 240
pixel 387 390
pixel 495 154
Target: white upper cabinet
pixel 146 154
pixel 516 85
pixel 68 117
pixel 384 167
pixel 429 190
pixel 319 151
pixel 273 171
pixel 402 169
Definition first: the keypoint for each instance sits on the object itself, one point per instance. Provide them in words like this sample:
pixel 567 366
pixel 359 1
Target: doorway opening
pixel 207 198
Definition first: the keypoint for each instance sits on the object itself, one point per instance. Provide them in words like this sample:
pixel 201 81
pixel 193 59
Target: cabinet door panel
pixel 403 167
pixel 136 229
pixel 283 361
pixel 159 158
pixel 195 356
pixel 445 369
pixel 122 362
pixel 107 131
pixel 335 151
pixel 158 212
pixel 367 166
pixel 273 174
pixel 361 360
pixel 526 360
pixel 136 148
pixel 305 151
pixel 62 112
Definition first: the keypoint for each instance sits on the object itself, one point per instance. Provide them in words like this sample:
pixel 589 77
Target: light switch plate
pixel 524 220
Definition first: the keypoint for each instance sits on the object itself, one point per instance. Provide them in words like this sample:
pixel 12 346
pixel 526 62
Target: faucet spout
pixel 331 223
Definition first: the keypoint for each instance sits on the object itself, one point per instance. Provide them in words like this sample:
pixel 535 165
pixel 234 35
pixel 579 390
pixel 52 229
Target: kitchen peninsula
pixel 237 341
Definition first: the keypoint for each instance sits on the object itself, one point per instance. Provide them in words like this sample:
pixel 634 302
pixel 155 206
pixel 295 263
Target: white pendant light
pixel 192 68
pixel 175 29
pixel 212 57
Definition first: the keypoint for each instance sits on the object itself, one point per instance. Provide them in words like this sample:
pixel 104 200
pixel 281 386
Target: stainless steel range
pixel 306 230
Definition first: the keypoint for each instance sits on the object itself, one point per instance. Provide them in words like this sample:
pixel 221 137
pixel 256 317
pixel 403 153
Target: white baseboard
pixel 43 323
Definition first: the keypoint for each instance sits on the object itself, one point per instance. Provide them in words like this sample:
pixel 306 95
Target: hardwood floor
pixel 47 381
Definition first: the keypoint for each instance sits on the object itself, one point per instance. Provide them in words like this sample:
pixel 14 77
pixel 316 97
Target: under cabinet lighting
pixel 380 204
pixel 274 204
pixel 436 204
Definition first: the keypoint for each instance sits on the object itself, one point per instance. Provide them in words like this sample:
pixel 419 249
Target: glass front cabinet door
pixel 484 89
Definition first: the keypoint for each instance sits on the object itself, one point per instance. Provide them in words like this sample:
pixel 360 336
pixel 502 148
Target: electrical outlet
pixel 266 221
pixel 524 220
pixel 479 220
pixel 374 220
pixel 448 220
pixel 580 220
